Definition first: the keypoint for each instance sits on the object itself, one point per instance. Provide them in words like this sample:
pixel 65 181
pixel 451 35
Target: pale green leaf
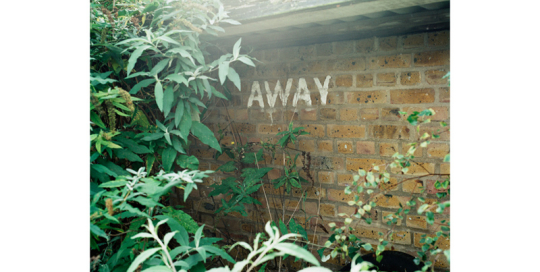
pixel 158 92
pixel 205 135
pixel 223 71
pixel 234 77
pixel 135 56
pixel 141 258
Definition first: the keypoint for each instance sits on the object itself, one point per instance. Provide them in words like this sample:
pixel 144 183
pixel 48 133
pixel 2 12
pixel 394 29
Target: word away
pixel 302 92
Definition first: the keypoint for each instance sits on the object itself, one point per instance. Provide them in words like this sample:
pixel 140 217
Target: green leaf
pixel 178 145
pixel 185 123
pixel 227 167
pixel 446 158
pixel 223 71
pixel 168 99
pixel 141 258
pixel 236 48
pixel 297 251
pixel 219 252
pixel 134 56
pixel 246 61
pixel 159 67
pixel 158 92
pixel 190 162
pixel 128 155
pixel 177 78
pixel 179 113
pixel 234 77
pixel 94 117
pixel 159 268
pixel 168 157
pixel 114 183
pixel 282 228
pixel 205 135
pixel 102 169
pixel 142 84
pixel 198 236
pixel 97 231
pixel 182 218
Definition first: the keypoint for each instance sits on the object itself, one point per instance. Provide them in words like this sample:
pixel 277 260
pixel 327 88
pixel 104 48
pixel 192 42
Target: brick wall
pixel 371 81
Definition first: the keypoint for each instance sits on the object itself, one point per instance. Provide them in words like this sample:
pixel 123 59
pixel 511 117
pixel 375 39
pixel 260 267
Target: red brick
pixel 364 81
pixel 345 147
pixel 432 58
pixel 366 97
pixel 389 132
pixel 431 187
pixel 386 79
pixel 412 96
pixel 369 114
pixel 346 131
pixel 365 148
pixel 348 114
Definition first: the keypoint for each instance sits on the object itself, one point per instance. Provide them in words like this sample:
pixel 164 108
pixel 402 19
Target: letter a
pixel 255 88
pixel 302 95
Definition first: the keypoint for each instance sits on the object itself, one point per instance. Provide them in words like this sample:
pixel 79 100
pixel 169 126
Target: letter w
pixel 271 98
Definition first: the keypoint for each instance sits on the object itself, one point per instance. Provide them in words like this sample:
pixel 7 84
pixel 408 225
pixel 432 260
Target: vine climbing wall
pixel 348 95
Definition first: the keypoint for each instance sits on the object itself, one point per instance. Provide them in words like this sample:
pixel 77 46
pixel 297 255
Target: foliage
pixel 377 178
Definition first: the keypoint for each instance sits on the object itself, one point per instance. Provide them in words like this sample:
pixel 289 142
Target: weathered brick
pixel 439 38
pixel 443 242
pixel 414 221
pixel 325 146
pixel 364 81
pixel 291 115
pixel 271 54
pixel 348 114
pixel 386 79
pixel 389 201
pixel 306 145
pixel 365 46
pixel 345 179
pixel 389 132
pixel 345 147
pixel 394 61
pixel 288 53
pixel 327 163
pixel 306 51
pixel 412 186
pixel 307 67
pixel 348 64
pixel 244 127
pixel 445 168
pixel 412 96
pixel 308 114
pixel 262 115
pixel 406 146
pixel 437 150
pixel 412 41
pixel 369 232
pixel 273 70
pixel 402 237
pixel 369 114
pixel 390 114
pixel 327 210
pixel 388 43
pixel 343 47
pixel 435 77
pixel 391 185
pixel 314 130
pixel 326 177
pixel 328 114
pixel 344 81
pixel 410 78
pixel 271 129
pixel 386 218
pixel 353 164
pixel 241 114
pixel 350 210
pixel 346 131
pixel 388 149
pixel 311 192
pixel 366 97
pixel 339 195
pixel 365 147
pixel 417 168
pixel 432 58
pixel 323 49
pixel 444 94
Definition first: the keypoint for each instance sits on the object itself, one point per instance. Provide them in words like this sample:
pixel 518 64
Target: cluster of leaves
pixel 377 178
